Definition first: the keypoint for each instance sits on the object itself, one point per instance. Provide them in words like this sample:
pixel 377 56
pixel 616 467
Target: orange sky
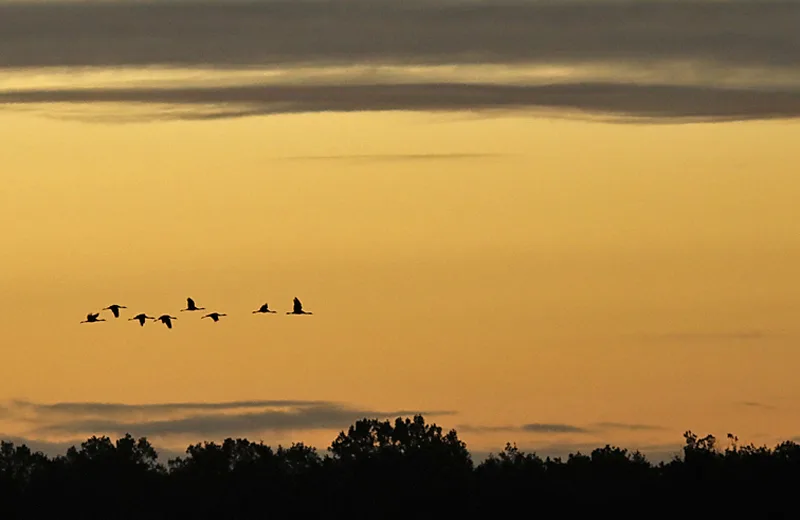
pixel 545 282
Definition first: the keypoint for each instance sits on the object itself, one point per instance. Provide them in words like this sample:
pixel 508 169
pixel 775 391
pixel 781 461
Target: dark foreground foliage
pixel 386 470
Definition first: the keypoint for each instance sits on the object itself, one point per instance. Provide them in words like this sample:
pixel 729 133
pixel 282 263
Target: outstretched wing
pixel 189 303
pixel 297 305
pixel 115 310
pixel 92 315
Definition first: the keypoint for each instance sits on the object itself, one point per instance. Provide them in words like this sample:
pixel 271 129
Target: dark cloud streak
pixel 754 404
pixel 558 428
pixel 666 103
pixel 552 428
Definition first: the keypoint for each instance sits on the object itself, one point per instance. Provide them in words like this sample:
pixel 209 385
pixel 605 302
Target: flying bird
pixel 92 317
pixel 115 309
pixel 263 309
pixel 142 318
pixel 166 319
pixel 214 316
pixel 190 306
pixel 298 308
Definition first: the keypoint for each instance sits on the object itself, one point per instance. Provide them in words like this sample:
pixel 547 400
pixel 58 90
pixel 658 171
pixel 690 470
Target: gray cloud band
pixel 123 408
pixel 650 102
pixel 271 33
pixel 750 44
pixel 198 419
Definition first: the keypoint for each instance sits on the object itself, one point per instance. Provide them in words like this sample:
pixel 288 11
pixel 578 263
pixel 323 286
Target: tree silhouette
pixel 379 466
pixel 380 460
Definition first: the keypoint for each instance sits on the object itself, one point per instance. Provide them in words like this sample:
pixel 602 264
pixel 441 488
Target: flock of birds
pixel 166 319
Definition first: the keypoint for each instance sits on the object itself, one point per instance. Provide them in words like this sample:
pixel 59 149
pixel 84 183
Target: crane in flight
pixel 214 316
pixel 92 317
pixel 264 309
pixel 166 319
pixel 114 309
pixel 142 318
pixel 190 306
pixel 298 308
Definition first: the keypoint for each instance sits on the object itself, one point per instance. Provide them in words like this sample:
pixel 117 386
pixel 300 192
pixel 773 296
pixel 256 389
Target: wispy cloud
pixel 478 428
pixel 735 335
pixel 393 157
pixel 653 103
pixel 552 428
pixel 124 408
pixel 628 426
pixel 755 404
pixel 558 428
pixel 200 420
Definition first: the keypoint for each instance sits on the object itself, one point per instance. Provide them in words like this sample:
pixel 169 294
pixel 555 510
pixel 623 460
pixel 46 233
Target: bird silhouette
pixel 263 309
pixel 142 318
pixel 190 306
pixel 92 317
pixel 214 316
pixel 114 309
pixel 298 308
pixel 166 319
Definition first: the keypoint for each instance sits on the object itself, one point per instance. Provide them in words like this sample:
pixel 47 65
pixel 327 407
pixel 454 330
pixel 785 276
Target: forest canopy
pixel 384 466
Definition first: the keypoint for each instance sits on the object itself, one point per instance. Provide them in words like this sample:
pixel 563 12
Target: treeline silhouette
pixel 388 469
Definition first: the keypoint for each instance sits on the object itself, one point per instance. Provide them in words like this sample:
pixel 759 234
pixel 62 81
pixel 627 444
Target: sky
pixel 560 224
